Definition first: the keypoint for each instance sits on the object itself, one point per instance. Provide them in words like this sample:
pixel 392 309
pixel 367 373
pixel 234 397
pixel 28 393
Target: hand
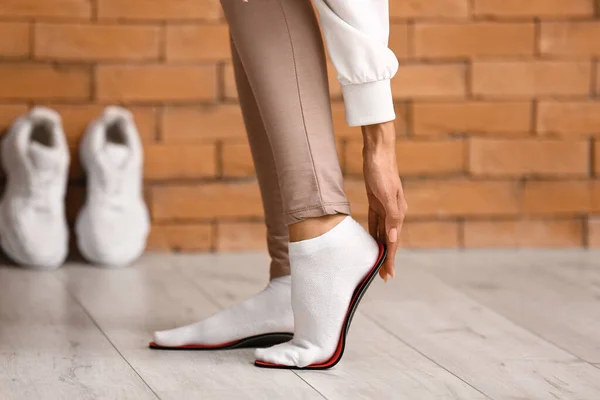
pixel 387 206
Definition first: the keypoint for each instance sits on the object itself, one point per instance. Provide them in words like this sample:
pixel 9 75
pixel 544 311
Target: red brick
pixel 237 160
pixel 355 191
pixel 241 236
pixel 569 118
pixel 503 157
pixel 89 42
pixel 594 233
pixel 229 87
pixel 462 198
pixel 340 126
pixel 46 9
pixel 429 8
pixel 558 197
pixel 570 38
pixel 14 39
pixel 184 237
pixel 597 158
pixel 163 161
pixel 524 233
pixel 595 184
pixel 416 158
pixel 478 39
pixel 198 43
pixel 155 83
pixel 429 235
pixel 427 81
pixel 531 78
pixel 534 8
pixel 192 124
pixel 31 81
pixel 399 40
pixel 335 88
pixel 160 9
pixel 597 74
pixel 9 113
pixel 76 118
pixel 206 201
pixel 505 118
pixel 447 198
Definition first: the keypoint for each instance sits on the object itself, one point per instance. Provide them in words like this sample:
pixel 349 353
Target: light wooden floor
pixel 454 325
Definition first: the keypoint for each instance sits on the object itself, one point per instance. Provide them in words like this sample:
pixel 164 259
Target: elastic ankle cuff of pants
pixel 318 210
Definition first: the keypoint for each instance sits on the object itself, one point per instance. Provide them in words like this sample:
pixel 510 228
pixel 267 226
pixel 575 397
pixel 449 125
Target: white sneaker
pixel 113 225
pixel 35 156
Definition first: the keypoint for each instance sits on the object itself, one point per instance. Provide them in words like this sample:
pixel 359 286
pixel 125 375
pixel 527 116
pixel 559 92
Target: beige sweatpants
pixel 281 76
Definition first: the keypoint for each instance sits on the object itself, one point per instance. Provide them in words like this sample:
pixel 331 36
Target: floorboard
pixel 557 301
pixel 498 357
pixel 453 325
pixel 130 304
pixel 50 348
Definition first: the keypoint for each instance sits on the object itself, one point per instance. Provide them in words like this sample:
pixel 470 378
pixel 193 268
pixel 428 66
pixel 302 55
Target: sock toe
pixel 171 338
pixel 289 354
pixel 163 338
pixel 283 354
pixel 159 338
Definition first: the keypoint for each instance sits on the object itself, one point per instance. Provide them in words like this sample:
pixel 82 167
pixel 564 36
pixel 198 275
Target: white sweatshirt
pixel 357 34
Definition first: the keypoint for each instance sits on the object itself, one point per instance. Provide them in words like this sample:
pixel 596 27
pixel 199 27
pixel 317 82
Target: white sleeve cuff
pixel 369 103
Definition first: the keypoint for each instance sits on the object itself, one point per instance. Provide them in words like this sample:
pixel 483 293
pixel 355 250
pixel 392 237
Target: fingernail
pixel 393 235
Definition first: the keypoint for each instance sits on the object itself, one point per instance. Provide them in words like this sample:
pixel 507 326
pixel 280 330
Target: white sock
pixel 325 272
pixel 269 311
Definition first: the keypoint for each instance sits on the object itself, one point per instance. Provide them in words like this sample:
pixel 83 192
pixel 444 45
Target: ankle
pixel 313 227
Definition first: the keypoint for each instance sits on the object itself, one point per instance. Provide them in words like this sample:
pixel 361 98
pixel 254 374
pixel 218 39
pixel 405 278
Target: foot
pixel 267 312
pixel 325 273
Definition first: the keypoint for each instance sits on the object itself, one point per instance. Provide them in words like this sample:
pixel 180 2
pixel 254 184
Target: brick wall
pixel 497 101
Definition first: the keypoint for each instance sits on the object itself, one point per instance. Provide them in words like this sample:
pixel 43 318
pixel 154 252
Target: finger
pixel 393 219
pixel 403 207
pixel 381 236
pixel 390 261
pixel 403 210
pixel 373 222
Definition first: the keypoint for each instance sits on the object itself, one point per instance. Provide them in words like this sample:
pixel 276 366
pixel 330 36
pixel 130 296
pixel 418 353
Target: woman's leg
pixel 283 57
pixel 270 310
pixel 281 50
pixel 266 173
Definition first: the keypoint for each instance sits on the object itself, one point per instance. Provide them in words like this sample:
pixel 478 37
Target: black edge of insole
pixel 264 340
